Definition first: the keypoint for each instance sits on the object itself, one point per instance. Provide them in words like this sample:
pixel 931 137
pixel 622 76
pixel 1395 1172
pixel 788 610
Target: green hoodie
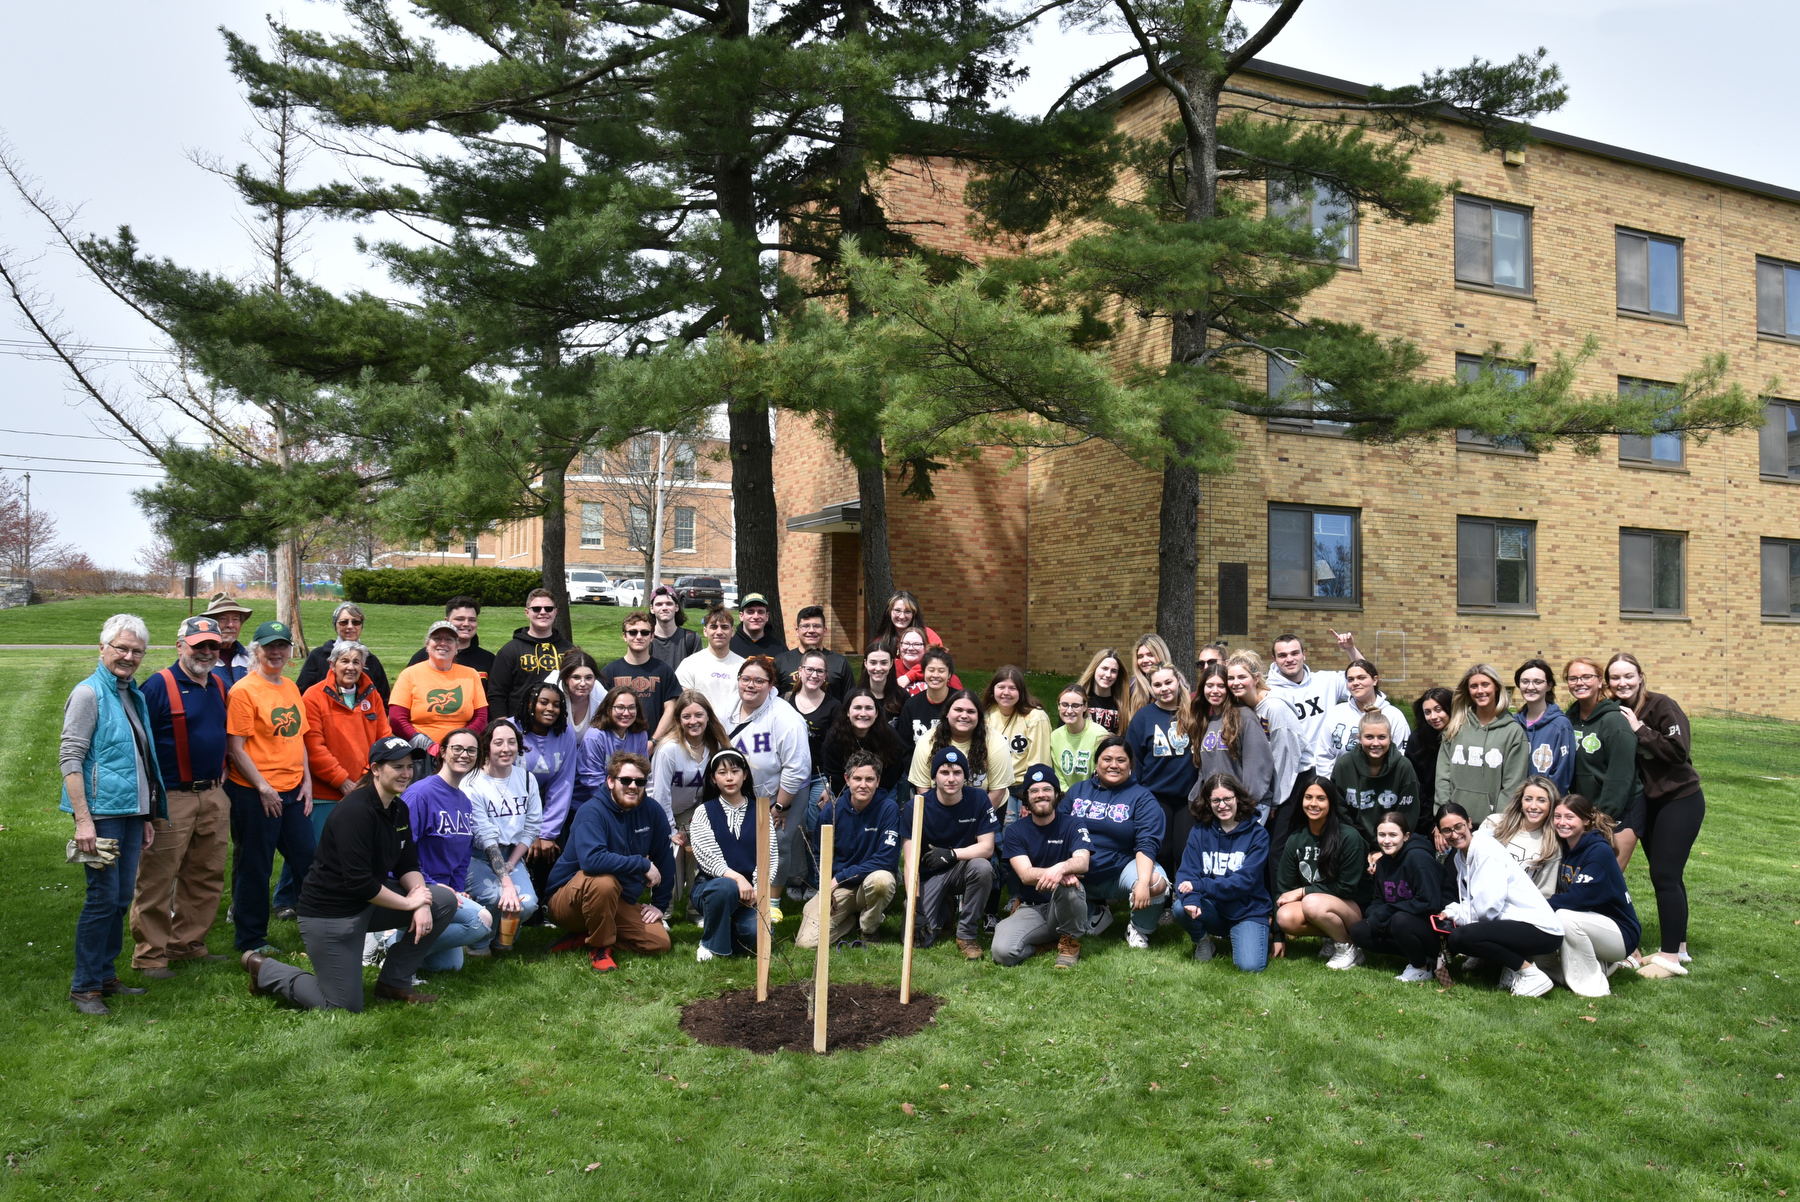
pixel 1479 767
pixel 1397 788
pixel 1300 865
pixel 1605 757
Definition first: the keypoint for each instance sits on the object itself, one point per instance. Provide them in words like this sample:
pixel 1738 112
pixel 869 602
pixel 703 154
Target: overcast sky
pixel 103 101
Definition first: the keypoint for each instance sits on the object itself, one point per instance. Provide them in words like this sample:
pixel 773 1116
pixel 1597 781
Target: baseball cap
pixel 750 599
pixel 440 624
pixel 949 755
pixel 272 632
pixel 664 590
pixel 391 748
pixel 225 603
pixel 200 630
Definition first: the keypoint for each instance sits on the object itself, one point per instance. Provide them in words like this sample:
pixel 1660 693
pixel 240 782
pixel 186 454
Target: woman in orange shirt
pixel 439 695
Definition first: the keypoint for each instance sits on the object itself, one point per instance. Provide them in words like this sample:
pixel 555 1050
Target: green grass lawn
pixel 1138 1075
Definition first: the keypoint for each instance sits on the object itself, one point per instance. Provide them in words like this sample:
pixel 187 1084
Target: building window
pixel 684 528
pixel 1649 270
pixel 1650 572
pixel 471 548
pixel 1777 299
pixel 637 535
pixel 1330 216
pixel 1298 393
pixel 685 464
pixel 1313 554
pixel 593 463
pixel 1780 578
pixel 1779 441
pixel 641 456
pixel 1494 563
pixel 1659 450
pixel 1468 368
pixel 593 523
pixel 1493 245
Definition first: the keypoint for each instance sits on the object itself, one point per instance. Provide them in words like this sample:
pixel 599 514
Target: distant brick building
pixel 1437 554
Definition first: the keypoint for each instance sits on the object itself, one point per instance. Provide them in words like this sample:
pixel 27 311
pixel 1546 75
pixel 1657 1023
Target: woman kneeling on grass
pixel 1220 887
pixel 1500 914
pixel 1322 878
pixel 1523 829
pixel 1600 927
pixel 1409 889
pixel 723 834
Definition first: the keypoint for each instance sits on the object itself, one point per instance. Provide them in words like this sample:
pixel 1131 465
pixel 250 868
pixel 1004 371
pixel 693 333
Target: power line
pixel 71 471
pixel 96 437
pixel 65 459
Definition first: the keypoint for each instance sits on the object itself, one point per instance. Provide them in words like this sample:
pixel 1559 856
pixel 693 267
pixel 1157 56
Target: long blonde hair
pixel 1462 708
pixel 1512 819
pixel 1086 679
pixel 1137 691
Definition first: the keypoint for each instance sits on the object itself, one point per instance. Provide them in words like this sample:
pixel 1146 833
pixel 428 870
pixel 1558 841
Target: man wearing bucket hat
pixel 235 660
pixel 365 878
pixel 268 782
pixel 958 834
pixel 181 876
pixel 433 698
pixel 1050 855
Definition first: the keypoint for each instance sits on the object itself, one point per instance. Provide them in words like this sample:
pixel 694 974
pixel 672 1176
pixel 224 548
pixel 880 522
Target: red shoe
pixel 569 944
pixel 602 961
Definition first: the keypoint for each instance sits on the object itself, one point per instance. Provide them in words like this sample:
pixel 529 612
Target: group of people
pixel 429 819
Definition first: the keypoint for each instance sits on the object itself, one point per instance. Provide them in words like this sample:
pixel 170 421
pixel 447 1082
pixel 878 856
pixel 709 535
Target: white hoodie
pixel 1494 887
pixel 1310 698
pixel 774 741
pixel 1337 733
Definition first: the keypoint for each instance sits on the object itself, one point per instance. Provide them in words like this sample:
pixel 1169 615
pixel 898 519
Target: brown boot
pixel 970 949
pixel 1068 951
pixel 253 962
pixel 401 993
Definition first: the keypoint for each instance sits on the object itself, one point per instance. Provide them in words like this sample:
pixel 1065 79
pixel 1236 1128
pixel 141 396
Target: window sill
pixel 1773 620
pixel 1625 617
pixel 1489 290
pixel 1483 611
pixel 1779 479
pixel 1786 339
pixel 1330 603
pixel 1309 431
pixel 1661 319
pixel 1644 465
pixel 1476 448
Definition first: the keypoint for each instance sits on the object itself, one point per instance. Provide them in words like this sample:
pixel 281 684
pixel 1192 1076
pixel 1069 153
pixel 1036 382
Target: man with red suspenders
pixel 182 873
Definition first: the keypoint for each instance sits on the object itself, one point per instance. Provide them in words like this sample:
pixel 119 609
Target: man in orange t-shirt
pixel 268 782
pixel 437 695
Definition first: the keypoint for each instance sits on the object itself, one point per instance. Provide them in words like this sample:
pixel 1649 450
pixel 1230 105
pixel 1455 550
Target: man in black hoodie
pixel 534 651
pixel 753 636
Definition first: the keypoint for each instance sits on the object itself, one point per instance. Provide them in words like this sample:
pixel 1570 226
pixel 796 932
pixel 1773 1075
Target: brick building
pixel 1444 553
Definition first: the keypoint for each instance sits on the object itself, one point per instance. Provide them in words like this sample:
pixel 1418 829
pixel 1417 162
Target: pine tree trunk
pixel 877 559
pixel 553 489
pixel 287 593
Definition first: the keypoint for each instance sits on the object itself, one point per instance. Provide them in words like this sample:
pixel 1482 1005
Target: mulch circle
pixel 859 1016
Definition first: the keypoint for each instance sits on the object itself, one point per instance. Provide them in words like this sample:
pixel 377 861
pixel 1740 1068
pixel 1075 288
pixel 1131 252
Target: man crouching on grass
pixel 1050 855
pixel 617 846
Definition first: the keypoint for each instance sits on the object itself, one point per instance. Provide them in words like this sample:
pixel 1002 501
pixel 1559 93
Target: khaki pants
pixel 863 907
pixel 594 904
pixel 180 879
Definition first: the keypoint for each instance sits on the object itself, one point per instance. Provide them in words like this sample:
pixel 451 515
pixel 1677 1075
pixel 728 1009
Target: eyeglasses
pixel 126 652
pixel 629 782
pixel 347 620
pixel 812 671
pixel 637 634
pixel 459 751
pixel 1584 679
pixel 540 609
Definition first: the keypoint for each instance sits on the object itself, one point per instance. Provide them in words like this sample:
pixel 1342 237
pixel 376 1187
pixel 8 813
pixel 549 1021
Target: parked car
pixel 630 593
pixel 699 592
pixel 588 587
pixel 730 601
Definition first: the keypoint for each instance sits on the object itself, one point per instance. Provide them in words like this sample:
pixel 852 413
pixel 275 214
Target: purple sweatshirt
pixel 443 825
pixel 553 759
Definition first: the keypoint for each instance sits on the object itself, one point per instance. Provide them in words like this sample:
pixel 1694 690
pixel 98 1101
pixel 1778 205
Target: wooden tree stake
pixel 764 942
pixel 822 971
pixel 912 899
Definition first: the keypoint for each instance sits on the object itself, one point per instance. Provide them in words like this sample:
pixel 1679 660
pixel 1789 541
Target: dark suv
pixel 699 592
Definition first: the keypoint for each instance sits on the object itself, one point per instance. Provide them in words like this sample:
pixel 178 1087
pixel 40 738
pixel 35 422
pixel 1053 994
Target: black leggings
pixel 1407 935
pixel 1504 941
pixel 1668 837
pixel 1177 823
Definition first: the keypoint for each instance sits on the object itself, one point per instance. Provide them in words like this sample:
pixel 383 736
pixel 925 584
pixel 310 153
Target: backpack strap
pixel 178 715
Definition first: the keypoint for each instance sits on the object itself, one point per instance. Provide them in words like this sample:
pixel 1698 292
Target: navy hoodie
pixel 605 840
pixel 1160 754
pixel 1590 881
pixel 1411 881
pixel 864 842
pixel 1228 869
pixel 1121 822
pixel 1552 745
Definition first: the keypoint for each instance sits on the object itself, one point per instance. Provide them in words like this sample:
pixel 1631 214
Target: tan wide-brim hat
pixel 225 603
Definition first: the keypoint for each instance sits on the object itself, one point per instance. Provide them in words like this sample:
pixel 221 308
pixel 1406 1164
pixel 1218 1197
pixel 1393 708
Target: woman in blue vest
pixel 724 843
pixel 113 789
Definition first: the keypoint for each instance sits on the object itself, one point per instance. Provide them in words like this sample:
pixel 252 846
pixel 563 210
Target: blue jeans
pixel 258 837
pixel 468 929
pixel 1249 937
pixel 100 931
pixel 287 889
pixel 724 920
pixel 1103 890
pixel 484 887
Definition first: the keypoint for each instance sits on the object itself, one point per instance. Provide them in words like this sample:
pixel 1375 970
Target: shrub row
pixel 436 584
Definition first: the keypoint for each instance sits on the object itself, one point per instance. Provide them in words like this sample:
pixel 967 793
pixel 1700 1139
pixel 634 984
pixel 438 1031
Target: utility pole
pixel 28 525
pixel 662 443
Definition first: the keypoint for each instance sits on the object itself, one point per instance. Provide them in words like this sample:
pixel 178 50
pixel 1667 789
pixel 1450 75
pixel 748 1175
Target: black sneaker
pixel 286 914
pixel 924 937
pixel 989 923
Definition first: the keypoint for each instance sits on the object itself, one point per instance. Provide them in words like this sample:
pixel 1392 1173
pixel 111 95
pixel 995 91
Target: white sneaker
pixel 1099 920
pixel 1348 956
pixel 1136 938
pixel 1204 948
pixel 1531 981
pixel 1683 957
pixel 702 954
pixel 1327 949
pixel 1507 978
pixel 1412 975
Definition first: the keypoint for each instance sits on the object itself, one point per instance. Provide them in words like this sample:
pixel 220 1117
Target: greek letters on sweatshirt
pixel 1605 757
pixel 1253 766
pixel 1337 734
pixel 506 810
pixel 1300 864
pixel 1121 823
pixel 863 841
pixel 1370 796
pixel 443 827
pixel 1227 868
pixel 1479 766
pixel 1552 745
pixel 1310 698
pixel 1662 754
pixel 1410 881
pixel 1590 882
pixel 552 759
pixel 1161 756
pixel 1072 755
pixel 1042 846
pixel 608 840
pixel 773 740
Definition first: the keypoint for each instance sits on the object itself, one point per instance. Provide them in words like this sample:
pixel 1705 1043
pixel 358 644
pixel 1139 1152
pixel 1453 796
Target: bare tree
pixel 626 482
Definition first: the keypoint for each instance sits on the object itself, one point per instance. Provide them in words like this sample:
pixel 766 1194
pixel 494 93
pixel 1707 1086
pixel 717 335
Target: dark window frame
pixel 1777 315
pixel 1469 439
pixel 1631 444
pixel 1620 235
pixel 1651 543
pixel 1465 550
pixel 1776 443
pixel 1354 598
pixel 1298 423
pixel 1281 203
pixel 1786 578
pixel 1458 239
